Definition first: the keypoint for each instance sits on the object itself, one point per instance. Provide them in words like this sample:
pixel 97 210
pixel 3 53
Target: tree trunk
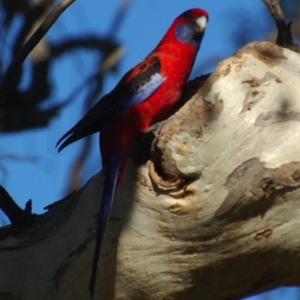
pixel 229 229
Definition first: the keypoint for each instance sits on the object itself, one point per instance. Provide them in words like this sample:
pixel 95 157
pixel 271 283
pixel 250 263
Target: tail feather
pixel 83 128
pixel 110 184
pixel 71 137
pixel 89 124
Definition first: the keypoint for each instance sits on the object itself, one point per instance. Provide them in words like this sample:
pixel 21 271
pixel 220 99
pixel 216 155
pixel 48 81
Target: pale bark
pixel 231 230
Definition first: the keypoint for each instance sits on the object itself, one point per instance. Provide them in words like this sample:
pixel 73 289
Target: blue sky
pixel 45 180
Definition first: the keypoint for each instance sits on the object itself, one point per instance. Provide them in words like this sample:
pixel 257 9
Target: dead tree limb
pixel 230 230
pixel 13 70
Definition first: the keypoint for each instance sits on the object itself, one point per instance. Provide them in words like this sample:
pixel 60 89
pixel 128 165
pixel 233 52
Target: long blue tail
pixel 112 167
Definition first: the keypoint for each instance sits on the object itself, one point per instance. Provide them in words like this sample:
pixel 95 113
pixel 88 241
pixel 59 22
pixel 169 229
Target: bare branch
pixel 120 15
pixel 284 37
pixel 233 142
pixel 13 70
pixel 15 214
pixel 32 159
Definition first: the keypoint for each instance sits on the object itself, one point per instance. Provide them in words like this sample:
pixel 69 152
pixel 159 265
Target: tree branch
pixel 15 214
pixel 284 37
pixel 230 231
pixel 12 72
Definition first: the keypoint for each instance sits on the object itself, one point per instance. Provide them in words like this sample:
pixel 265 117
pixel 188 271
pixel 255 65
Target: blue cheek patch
pixel 185 34
pixel 146 90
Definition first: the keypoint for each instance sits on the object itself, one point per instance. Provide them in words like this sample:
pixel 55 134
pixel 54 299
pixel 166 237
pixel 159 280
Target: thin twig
pixel 119 17
pixel 32 159
pixel 13 70
pixel 284 38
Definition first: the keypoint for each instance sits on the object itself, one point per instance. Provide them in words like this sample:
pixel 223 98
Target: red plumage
pixel 177 60
pixel 143 97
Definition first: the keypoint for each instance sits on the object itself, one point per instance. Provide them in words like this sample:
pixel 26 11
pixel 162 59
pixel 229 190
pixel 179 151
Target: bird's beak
pixel 201 23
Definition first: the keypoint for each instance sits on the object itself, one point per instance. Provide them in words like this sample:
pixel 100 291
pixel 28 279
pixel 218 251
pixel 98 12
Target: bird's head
pixel 190 26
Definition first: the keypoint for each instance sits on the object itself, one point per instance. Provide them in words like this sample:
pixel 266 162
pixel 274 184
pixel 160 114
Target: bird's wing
pixel 136 86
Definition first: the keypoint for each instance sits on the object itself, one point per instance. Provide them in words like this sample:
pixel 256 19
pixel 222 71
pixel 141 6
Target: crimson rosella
pixel 143 97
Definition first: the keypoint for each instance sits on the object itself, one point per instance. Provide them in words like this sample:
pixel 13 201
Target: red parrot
pixel 143 97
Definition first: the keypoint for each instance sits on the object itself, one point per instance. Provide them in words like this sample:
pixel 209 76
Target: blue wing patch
pixel 145 90
pixel 135 87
